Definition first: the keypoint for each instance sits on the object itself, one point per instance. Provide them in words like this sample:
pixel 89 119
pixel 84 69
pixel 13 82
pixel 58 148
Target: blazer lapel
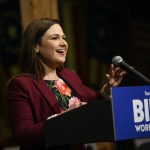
pixel 71 81
pixel 49 96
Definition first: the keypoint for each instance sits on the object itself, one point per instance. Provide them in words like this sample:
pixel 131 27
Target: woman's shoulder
pixel 21 78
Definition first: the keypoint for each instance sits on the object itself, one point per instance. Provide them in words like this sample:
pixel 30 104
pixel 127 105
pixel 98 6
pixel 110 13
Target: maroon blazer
pixel 30 102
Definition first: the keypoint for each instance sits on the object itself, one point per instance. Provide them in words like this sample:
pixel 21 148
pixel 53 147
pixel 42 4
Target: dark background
pixel 101 29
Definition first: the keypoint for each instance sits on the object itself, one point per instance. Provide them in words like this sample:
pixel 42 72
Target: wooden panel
pixel 33 9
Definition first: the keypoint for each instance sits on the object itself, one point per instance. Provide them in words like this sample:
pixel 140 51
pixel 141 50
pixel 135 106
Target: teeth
pixel 60 50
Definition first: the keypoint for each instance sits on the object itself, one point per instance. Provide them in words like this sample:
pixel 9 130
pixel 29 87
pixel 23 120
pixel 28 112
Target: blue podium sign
pixel 131 112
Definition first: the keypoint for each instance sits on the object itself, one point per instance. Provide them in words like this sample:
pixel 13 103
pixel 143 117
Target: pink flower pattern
pixel 73 101
pixel 63 94
pixel 62 87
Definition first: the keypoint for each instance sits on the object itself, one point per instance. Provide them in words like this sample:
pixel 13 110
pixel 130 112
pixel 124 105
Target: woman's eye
pixel 54 38
pixel 57 37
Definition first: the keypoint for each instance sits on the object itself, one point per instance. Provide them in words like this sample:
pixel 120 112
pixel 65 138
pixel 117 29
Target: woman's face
pixel 53 47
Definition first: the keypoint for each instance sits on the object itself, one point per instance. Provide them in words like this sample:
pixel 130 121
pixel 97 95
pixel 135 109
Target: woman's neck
pixel 51 74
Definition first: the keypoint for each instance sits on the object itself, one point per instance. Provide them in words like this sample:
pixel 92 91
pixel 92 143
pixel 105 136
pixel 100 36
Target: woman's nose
pixel 63 42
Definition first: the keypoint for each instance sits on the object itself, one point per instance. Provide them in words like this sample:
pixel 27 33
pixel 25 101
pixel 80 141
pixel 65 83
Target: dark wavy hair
pixel 29 60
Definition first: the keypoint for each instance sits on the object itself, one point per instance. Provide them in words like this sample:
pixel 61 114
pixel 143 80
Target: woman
pixel 47 88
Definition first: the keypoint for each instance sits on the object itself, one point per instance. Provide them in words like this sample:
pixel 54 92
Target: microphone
pixel 118 62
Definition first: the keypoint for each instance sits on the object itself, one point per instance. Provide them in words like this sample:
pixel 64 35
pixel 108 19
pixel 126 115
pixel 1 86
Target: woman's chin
pixel 62 61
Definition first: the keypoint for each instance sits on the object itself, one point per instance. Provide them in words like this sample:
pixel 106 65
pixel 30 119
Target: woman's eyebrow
pixel 58 35
pixel 54 35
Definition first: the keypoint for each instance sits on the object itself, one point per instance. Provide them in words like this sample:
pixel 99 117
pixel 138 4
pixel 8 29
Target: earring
pixel 36 50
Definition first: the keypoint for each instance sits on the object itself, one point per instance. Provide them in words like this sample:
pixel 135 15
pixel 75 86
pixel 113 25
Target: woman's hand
pixel 73 106
pixel 76 105
pixel 114 78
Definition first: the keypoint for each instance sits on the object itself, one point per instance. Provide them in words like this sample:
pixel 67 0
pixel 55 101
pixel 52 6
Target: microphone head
pixel 117 60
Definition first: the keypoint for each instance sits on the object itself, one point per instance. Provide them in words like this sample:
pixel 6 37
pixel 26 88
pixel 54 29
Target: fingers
pixel 115 76
pixel 110 80
pixel 111 70
pixel 114 71
pixel 83 103
pixel 123 73
pixel 73 106
pixel 119 72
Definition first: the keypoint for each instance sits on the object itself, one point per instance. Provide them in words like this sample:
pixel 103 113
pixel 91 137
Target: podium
pixel 126 116
pixel 92 122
